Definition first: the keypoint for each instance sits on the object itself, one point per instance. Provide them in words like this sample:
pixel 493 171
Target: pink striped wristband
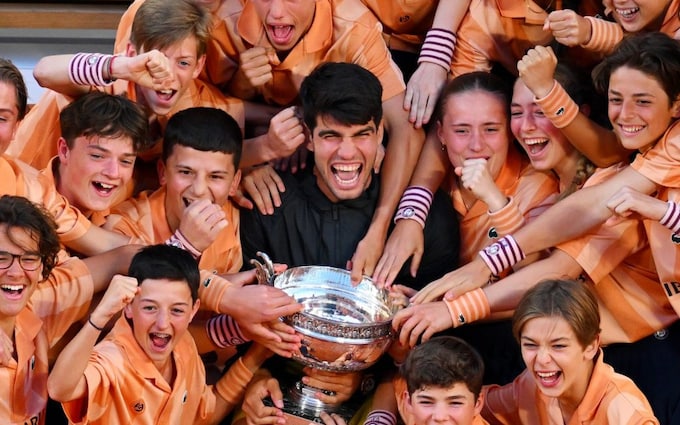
pixel 414 204
pixel 502 255
pixel 438 48
pixel 672 217
pixel 381 417
pixel 180 241
pixel 90 69
pixel 223 331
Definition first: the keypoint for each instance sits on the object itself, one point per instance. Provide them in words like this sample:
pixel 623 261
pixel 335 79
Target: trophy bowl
pixel 345 328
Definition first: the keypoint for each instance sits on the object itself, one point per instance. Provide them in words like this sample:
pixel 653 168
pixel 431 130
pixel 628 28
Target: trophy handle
pixel 264 270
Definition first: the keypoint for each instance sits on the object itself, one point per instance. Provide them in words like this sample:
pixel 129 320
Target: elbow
pixel 55 390
pixel 41 72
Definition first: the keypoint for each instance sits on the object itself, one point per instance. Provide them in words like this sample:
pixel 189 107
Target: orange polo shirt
pixel 405 22
pixel 53 307
pixel 531 192
pixel 342 31
pixel 144 218
pixel 124 386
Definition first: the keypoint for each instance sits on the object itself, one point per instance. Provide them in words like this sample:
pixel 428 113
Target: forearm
pixel 597 143
pixel 97 240
pixel 449 14
pixel 104 266
pixel 505 294
pixel 52 72
pixel 256 150
pixel 401 157
pixel 67 380
pixel 432 165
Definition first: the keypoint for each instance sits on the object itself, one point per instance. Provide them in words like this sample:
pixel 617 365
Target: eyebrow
pixel 634 94
pixel 186 167
pixel 100 148
pixel 330 132
pixel 151 300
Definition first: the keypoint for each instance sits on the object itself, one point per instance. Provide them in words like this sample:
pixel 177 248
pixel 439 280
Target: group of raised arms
pixel 506 170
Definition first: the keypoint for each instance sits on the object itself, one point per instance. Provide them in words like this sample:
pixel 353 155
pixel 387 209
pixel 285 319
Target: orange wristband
pixel 469 307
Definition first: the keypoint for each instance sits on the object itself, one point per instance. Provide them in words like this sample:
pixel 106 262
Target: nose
pixel 543 356
pixel 276 10
pixel 14 267
pixel 439 414
pixel 162 320
pixel 627 108
pixel 112 169
pixel 476 143
pixel 347 148
pixel 528 122
pixel 199 187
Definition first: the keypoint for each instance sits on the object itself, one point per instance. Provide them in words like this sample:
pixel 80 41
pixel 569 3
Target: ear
pixel 234 183
pixel 130 50
pixel 199 66
pixel 310 139
pixel 675 108
pixel 62 150
pixel 381 130
pixel 440 133
pixel 127 311
pixel 479 404
pixel 160 169
pixel 194 310
pixel 591 350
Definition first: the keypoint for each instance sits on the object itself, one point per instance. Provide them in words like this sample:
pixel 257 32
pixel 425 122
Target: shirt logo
pixel 207 282
pixel 184 397
pixel 32 363
pixel 675 238
pixel 493 234
pixel 404 19
pixel 138 406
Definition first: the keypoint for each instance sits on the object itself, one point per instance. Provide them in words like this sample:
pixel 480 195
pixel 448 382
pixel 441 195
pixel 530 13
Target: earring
pixel 443 147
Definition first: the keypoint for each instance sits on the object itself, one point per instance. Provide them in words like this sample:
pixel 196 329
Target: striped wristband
pixel 438 48
pixel 502 255
pixel 558 106
pixel 90 69
pixel 414 204
pixel 223 331
pixel 672 217
pixel 381 417
pixel 467 308
pixel 180 241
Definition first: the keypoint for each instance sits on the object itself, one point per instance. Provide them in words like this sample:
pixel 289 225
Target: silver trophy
pixel 345 328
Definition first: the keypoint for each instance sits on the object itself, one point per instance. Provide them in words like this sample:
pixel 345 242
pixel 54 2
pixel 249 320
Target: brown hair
pixel 11 75
pixel 569 299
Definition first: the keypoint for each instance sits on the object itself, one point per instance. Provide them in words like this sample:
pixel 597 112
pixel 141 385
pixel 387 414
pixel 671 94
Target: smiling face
pixel 186 66
pixel 17 284
pixel 160 315
pixel 94 172
pixel 638 108
pixel 638 15
pixel 344 156
pixel 444 406
pixel 190 175
pixel 285 21
pixel 544 143
pixel 474 124
pixel 560 365
pixel 9 115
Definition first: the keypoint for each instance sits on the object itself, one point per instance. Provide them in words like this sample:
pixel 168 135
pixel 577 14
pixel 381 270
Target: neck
pixel 167 370
pixel 570 400
pixel 566 170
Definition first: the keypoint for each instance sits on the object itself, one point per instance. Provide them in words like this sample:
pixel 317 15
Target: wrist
pixel 469 307
pixel 502 255
pixel 671 219
pixel 91 69
pixel 414 205
pixel 98 324
pixel 438 48
pixel 381 417
pixel 178 240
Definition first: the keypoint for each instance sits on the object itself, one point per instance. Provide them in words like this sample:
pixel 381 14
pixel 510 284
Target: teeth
pixel 632 128
pixel 535 141
pixel 346 167
pixel 105 185
pixel 165 91
pixel 628 12
pixel 12 287
pixel 160 335
pixel 546 375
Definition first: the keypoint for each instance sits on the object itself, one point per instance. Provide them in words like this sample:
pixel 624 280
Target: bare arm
pixel 104 266
pixel 404 146
pixel 96 241
pixel 426 82
pixel 150 69
pixel 67 380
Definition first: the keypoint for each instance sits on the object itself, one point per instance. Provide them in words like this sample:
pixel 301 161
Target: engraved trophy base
pixel 301 407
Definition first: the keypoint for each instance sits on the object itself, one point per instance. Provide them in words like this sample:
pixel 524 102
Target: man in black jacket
pixel 327 210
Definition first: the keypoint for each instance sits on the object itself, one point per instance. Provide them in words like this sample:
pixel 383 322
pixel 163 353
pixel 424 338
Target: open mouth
pixel 187 202
pixel 281 33
pixel 548 379
pixel 103 188
pixel 159 341
pixel 14 291
pixel 347 175
pixel 166 95
pixel 536 145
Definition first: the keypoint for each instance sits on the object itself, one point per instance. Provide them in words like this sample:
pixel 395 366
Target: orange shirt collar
pixel 527 10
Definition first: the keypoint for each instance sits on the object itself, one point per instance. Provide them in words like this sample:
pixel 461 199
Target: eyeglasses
pixel 28 262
